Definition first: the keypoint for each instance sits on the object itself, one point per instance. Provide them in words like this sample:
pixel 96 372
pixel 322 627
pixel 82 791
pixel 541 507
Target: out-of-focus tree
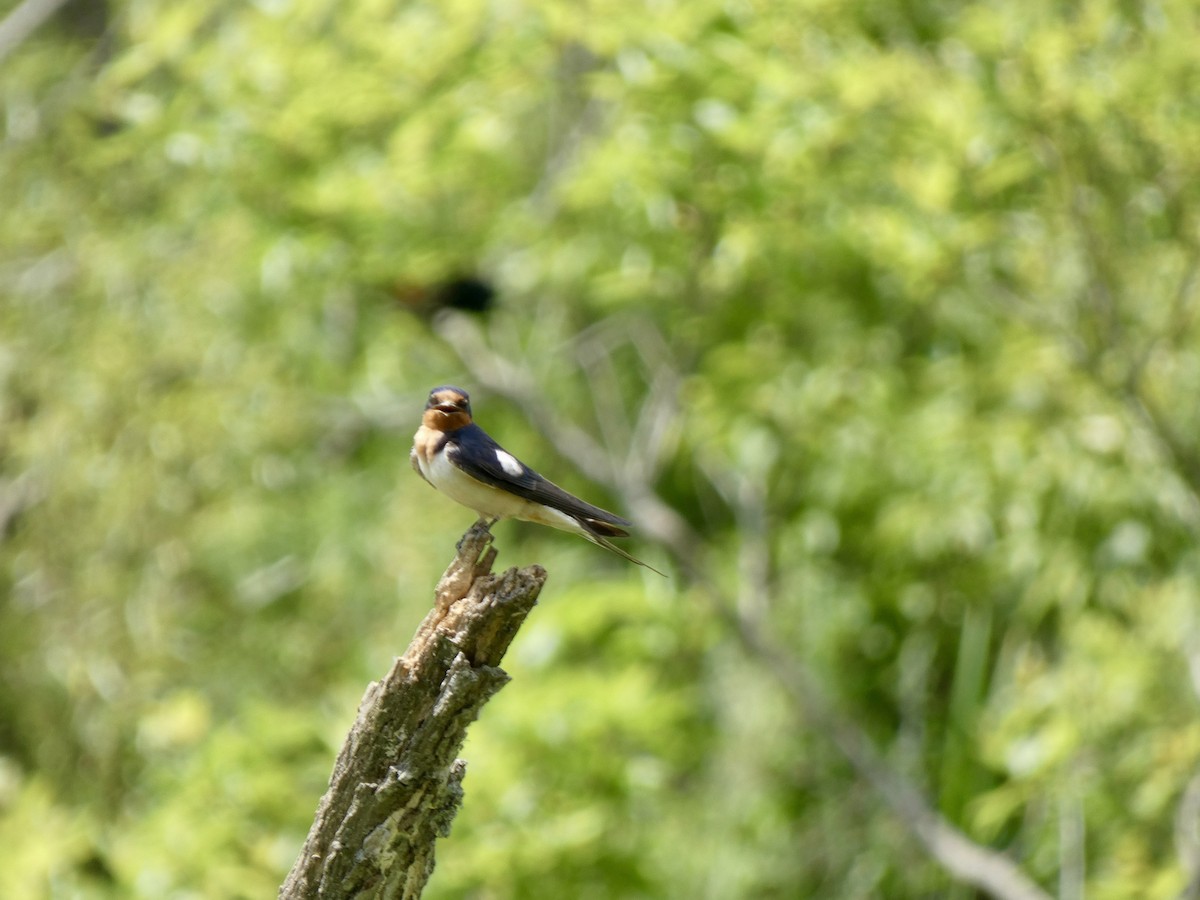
pixel 893 308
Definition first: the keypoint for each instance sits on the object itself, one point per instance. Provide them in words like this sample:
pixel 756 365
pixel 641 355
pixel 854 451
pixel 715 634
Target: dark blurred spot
pixel 87 19
pixel 94 866
pixel 468 293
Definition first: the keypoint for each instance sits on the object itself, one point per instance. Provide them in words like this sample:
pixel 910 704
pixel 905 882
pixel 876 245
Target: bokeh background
pixel 880 318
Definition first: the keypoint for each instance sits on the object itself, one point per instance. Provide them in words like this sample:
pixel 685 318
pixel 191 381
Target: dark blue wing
pixel 476 454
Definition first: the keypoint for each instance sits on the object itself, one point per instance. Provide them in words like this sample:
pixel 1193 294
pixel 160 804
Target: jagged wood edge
pixel 397 782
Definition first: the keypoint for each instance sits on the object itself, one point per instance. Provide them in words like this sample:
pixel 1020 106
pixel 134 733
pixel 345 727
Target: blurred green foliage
pixel 926 273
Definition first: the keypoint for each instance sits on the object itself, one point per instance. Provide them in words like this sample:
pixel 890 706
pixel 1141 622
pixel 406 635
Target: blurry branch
pixel 1130 389
pixel 1179 453
pixel 1099 296
pixel 1072 840
pixel 1094 339
pixel 967 861
pixel 1127 386
pixel 745 492
pixel 23 21
pixel 16 496
pixel 1178 320
pixel 1133 389
pixel 397 785
pixel 1187 837
pixel 1094 333
pixel 573 119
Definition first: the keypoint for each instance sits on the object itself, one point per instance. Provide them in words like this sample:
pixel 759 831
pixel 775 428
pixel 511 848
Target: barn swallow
pixel 462 461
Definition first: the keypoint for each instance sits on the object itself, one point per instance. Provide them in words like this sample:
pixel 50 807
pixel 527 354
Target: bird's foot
pixel 482 526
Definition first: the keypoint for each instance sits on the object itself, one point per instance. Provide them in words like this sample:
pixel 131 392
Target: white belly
pixel 489 501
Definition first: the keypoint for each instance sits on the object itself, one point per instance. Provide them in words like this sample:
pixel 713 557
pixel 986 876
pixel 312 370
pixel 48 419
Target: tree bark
pixel 397 783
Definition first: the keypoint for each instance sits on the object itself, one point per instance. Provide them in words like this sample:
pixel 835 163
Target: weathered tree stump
pixel 397 782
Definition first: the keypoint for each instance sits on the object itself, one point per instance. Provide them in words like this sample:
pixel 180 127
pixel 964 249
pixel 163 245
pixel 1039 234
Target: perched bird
pixel 458 458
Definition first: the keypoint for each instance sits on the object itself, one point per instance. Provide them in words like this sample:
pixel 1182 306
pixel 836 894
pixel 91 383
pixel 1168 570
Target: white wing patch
pixel 490 501
pixel 509 464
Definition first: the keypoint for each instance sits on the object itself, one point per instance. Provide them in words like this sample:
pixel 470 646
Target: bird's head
pixel 448 409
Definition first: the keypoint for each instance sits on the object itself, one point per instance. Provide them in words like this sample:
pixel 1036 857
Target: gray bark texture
pixel 397 783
